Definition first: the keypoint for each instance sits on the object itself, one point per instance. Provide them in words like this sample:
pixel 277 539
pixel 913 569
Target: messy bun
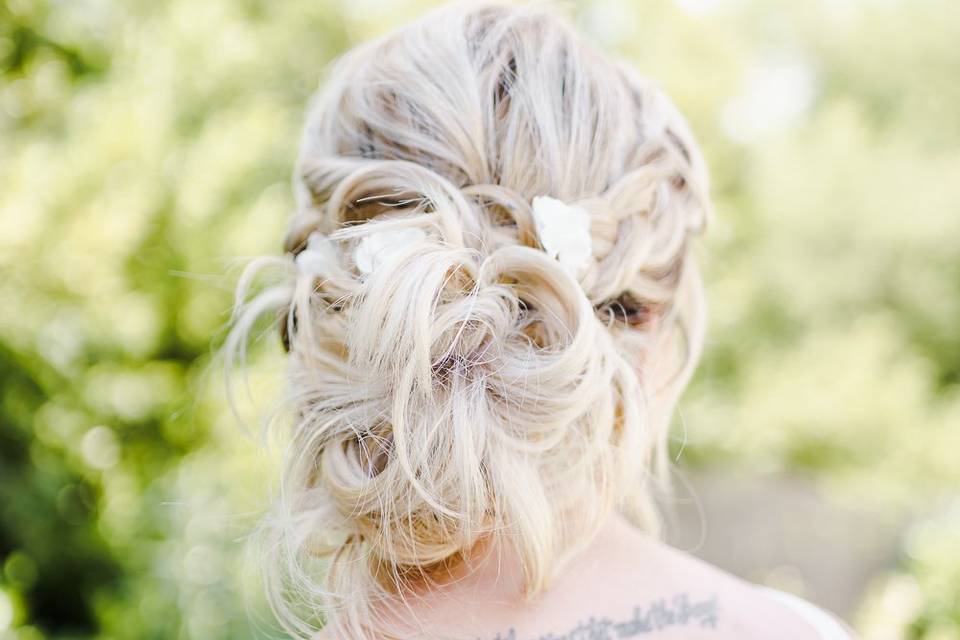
pixel 454 382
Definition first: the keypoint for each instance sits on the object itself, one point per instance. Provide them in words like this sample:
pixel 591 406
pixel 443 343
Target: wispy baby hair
pixel 453 382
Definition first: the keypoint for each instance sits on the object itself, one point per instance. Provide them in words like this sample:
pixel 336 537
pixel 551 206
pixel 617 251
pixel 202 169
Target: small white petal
pixel 320 256
pixel 377 247
pixel 564 232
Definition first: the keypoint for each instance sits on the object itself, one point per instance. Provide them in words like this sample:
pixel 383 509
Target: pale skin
pixel 623 585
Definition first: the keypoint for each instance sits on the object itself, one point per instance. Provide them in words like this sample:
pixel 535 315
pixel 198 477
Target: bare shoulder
pixel 662 575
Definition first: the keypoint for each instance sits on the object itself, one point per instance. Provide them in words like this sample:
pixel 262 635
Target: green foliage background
pixel 146 145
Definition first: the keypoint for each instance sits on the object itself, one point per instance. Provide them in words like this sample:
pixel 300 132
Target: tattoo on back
pixel 678 611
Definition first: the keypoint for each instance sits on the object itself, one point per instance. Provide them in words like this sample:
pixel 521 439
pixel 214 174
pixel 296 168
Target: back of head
pixel 490 310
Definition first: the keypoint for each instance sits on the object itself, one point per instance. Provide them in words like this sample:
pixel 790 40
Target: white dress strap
pixel 825 624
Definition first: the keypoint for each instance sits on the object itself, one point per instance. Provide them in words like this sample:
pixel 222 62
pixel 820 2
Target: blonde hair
pixel 469 388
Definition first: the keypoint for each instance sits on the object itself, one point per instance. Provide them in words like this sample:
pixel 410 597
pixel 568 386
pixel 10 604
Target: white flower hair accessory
pixel 564 232
pixel 319 258
pixel 377 247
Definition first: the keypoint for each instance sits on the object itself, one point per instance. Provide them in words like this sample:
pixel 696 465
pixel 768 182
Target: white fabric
pixel 825 624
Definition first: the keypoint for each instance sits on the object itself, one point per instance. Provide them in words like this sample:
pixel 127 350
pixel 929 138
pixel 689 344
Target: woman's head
pixel 454 381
